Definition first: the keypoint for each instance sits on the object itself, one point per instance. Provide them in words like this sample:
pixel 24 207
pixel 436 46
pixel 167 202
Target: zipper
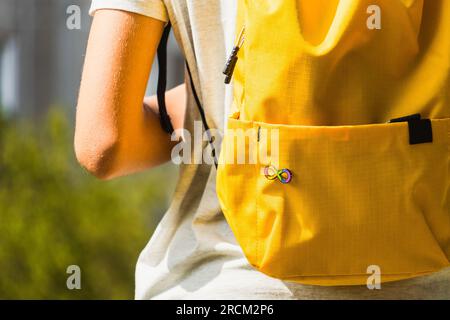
pixel 233 58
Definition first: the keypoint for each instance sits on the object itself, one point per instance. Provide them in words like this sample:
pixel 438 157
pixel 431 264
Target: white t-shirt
pixel 193 253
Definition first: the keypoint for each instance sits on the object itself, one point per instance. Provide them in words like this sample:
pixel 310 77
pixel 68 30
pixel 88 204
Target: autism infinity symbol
pixel 272 173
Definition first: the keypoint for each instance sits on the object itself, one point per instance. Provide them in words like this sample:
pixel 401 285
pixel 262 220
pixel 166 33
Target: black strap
pixel 164 118
pixel 202 115
pixel 166 124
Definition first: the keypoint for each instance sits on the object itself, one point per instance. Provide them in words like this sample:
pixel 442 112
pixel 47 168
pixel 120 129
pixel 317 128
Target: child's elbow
pixel 96 153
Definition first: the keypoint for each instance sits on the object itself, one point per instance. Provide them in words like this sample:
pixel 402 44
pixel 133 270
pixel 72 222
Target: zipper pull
pixel 232 60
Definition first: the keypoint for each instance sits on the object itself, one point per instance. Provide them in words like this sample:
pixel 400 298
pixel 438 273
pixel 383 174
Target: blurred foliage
pixel 53 214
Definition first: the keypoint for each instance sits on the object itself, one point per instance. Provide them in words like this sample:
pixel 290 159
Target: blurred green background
pixel 52 213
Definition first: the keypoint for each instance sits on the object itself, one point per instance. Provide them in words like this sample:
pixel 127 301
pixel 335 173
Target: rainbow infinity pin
pixel 272 173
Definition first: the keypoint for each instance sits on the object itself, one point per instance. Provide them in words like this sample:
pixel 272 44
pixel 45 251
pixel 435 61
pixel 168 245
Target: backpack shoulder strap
pixel 164 117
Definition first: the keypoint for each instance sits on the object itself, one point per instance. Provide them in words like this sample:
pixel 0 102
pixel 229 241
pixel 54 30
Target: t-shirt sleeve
pixel 150 8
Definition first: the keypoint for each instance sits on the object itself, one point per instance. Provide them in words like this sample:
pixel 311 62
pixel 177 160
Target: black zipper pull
pixel 232 60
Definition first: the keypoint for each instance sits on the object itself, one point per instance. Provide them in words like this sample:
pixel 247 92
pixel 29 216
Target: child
pixel 192 254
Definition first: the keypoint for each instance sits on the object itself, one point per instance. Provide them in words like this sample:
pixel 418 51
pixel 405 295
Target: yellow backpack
pixel 345 129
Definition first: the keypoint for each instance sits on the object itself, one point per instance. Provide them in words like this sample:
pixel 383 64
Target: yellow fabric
pixel 360 195
pixel 347 74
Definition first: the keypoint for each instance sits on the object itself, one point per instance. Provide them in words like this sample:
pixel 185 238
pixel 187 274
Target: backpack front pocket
pixel 359 196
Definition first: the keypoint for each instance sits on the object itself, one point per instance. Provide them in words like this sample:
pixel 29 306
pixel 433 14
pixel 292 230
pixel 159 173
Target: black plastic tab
pixel 420 130
pixel 415 116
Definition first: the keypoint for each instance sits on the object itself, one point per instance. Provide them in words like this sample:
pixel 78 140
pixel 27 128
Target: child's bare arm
pixel 115 134
pixel 175 103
